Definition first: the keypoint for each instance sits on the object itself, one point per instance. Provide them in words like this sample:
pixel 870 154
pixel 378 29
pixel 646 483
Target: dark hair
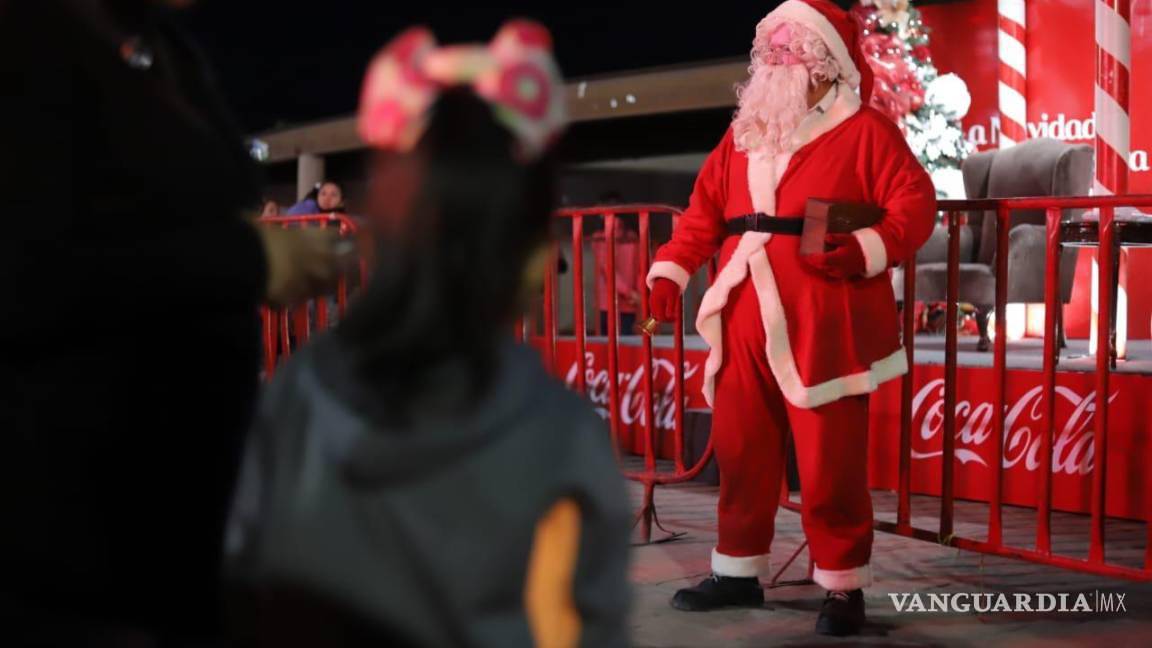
pixel 448 276
pixel 329 182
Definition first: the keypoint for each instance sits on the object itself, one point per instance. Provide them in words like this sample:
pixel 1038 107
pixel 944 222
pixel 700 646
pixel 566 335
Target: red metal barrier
pixel 278 342
pixel 285 329
pixel 955 212
pixel 611 217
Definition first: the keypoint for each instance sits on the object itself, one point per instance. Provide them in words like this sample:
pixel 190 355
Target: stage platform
pixel 1026 354
pixel 900 565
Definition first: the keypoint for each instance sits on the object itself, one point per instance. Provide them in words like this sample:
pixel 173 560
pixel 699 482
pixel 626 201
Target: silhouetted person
pixel 129 331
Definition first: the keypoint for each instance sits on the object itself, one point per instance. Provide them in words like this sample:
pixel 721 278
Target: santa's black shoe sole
pixel 831 629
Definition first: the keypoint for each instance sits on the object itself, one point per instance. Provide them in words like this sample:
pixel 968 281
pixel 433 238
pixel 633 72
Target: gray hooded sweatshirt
pixel 423 531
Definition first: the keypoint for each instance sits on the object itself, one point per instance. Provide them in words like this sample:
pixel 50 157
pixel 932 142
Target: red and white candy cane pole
pixel 1113 60
pixel 1013 72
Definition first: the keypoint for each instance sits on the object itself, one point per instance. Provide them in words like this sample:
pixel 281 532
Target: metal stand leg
pixel 776 582
pixel 646 517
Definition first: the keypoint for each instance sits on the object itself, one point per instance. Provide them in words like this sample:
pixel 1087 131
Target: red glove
pixel 845 261
pixel 662 300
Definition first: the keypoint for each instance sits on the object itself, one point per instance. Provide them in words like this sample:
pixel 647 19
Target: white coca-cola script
pixel 1072 449
pixel 632 401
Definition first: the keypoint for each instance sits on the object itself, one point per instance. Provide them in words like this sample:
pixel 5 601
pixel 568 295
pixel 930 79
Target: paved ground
pixel 901 566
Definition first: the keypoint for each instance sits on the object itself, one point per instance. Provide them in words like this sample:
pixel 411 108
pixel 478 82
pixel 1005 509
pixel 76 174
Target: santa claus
pixel 797 343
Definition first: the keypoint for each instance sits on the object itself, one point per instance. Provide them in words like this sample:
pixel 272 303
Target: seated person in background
pixel 271 209
pixel 326 198
pixel 415 477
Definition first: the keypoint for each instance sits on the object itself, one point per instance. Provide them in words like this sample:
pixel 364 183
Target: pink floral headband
pixel 515 73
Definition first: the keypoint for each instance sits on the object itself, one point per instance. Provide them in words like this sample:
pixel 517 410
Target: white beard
pixel 771 105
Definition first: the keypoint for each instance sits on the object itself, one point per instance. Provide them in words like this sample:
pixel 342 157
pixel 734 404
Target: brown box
pixel 823 217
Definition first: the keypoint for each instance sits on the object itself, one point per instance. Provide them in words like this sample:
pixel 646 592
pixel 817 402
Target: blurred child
pixel 415 477
pixel 325 198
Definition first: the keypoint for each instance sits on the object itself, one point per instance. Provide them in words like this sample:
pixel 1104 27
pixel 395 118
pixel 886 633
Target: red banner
pixel 1073 460
pixel 631 380
pixel 1128 485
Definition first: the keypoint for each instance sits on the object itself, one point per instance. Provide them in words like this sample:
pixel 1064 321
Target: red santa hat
pixel 836 28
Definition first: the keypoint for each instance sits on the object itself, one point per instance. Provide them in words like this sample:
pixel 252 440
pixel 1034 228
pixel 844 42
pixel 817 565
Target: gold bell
pixel 648 327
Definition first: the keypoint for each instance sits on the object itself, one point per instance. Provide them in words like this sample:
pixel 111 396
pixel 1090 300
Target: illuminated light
pixel 1121 308
pixel 1035 320
pixel 1016 325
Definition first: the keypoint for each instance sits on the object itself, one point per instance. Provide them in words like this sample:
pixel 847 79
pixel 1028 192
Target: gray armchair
pixel 1039 167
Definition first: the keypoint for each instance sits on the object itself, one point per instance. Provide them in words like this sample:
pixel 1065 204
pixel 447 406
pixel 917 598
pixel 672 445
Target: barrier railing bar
pixel 948 458
pixel 1045 202
pixel 1104 569
pixel 1051 360
pixel 1000 371
pixel 580 322
pixel 1105 355
pixel 678 386
pixel 613 334
pixel 646 341
pixel 904 480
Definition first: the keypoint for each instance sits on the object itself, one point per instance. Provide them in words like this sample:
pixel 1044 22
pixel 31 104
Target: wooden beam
pixel 629 94
pixel 656 91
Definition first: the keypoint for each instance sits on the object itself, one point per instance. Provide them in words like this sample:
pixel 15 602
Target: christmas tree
pixel 925 104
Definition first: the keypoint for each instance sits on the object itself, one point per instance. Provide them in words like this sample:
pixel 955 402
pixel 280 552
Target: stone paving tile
pixel 901 565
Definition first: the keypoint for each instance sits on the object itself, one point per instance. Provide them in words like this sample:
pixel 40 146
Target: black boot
pixel 720 591
pixel 842 614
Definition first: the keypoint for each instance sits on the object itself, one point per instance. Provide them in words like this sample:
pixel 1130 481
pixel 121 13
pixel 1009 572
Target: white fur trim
pixel 741 566
pixel 803 13
pixel 764 173
pixel 669 270
pixel 843 580
pixel 875 254
pixel 751 258
pixel 708 317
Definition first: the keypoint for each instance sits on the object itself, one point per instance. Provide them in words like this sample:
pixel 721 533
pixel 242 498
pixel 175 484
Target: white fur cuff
pixel 740 566
pixel 843 580
pixel 669 270
pixel 875 254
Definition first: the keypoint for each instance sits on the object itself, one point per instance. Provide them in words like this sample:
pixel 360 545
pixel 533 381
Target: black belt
pixel 758 222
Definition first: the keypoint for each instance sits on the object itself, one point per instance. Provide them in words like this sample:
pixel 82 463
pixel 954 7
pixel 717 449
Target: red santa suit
pixel 790 347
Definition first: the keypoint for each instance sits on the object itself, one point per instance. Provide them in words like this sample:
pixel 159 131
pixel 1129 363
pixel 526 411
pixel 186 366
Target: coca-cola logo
pixel 632 400
pixel 1073 451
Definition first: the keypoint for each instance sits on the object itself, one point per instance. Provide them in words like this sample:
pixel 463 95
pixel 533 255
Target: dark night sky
pixel 289 62
pixel 284 63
